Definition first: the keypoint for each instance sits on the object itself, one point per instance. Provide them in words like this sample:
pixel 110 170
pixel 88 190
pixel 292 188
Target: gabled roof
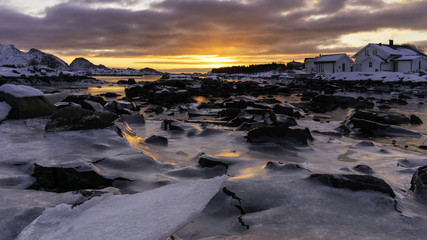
pixel 374 58
pixel 393 50
pixel 330 58
pixel 407 58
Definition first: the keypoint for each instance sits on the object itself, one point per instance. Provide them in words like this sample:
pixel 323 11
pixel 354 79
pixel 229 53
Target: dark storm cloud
pixel 175 27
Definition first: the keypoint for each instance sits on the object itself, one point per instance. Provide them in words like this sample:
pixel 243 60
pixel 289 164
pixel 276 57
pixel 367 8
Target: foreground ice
pixel 154 214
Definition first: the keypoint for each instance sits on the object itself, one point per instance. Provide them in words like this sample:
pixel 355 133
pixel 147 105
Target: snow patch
pixel 4 110
pixel 155 214
pixel 20 91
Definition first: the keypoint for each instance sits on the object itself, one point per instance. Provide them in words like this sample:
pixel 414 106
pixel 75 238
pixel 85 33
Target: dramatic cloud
pixel 207 27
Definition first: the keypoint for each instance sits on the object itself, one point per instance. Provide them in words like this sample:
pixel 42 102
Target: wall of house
pixel 404 66
pixel 346 62
pixel 416 65
pixel 310 67
pixel 326 68
pixel 364 67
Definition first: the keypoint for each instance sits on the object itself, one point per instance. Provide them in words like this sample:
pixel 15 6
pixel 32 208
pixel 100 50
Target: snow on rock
pixel 376 76
pixel 154 214
pixel 4 110
pixel 57 97
pixel 20 91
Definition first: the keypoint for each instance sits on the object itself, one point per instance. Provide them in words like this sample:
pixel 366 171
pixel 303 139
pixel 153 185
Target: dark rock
pixel 419 184
pixel 384 107
pixel 354 182
pixel 279 109
pixel 157 140
pixel 79 99
pixel 415 120
pixel 76 118
pixel 156 110
pixel 27 107
pixel 110 95
pixel 135 118
pixel 279 135
pixel 363 169
pixel 381 117
pixel 424 147
pixel 63 179
pixel 229 113
pixel 283 166
pixel 173 125
pixel 120 107
pixel 208 162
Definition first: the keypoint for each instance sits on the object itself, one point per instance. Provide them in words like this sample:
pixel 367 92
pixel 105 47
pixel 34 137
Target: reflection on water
pixel 112 86
pixel 115 79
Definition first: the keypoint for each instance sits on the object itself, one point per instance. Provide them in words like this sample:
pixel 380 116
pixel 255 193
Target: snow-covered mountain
pixel 41 58
pixel 10 55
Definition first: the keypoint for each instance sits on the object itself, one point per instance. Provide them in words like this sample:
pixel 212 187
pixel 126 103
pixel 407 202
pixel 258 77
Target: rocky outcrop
pixel 63 179
pixel 25 102
pixel 76 118
pixel 353 182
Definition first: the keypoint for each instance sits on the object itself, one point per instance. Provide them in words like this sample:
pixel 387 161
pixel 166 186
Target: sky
pixel 198 35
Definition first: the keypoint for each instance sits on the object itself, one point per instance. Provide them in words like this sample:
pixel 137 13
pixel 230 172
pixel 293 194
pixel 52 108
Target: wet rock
pixel 27 107
pixel 281 135
pixel 155 109
pixel 384 107
pixel 265 116
pixel 326 103
pixel 93 106
pixel 354 182
pixel 363 169
pixel 120 107
pixel 110 95
pixel 209 162
pixel 76 118
pixel 381 117
pixel 135 118
pixel 419 184
pixel 157 140
pixel 172 125
pixel 229 113
pixel 283 166
pixel 374 129
pixel 415 120
pixel 80 99
pixel 130 81
pixel 63 179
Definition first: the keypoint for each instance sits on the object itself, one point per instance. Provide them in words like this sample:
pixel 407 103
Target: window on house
pixel 366 52
pixel 370 64
pixel 375 53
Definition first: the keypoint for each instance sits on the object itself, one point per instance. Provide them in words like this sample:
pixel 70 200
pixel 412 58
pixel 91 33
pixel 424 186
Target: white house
pixel 333 63
pixel 381 57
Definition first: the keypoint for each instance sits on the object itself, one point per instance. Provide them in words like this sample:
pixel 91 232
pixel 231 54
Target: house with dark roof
pixel 395 58
pixel 333 63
